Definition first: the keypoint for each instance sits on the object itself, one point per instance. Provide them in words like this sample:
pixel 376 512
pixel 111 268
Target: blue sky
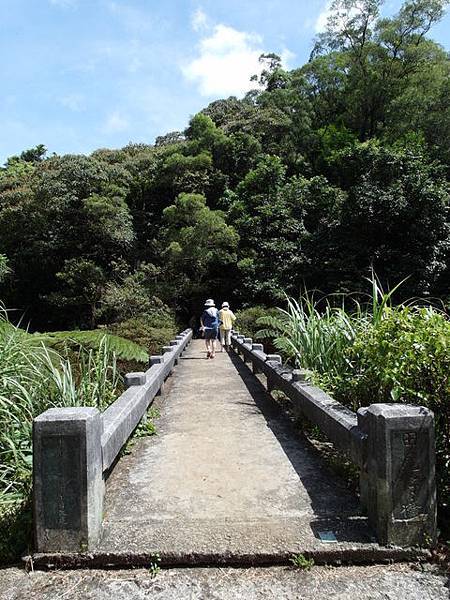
pixel 77 75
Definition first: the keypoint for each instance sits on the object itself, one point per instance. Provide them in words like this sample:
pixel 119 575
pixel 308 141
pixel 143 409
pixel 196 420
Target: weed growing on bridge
pixel 147 425
pixel 299 561
pixel 155 567
pixel 145 428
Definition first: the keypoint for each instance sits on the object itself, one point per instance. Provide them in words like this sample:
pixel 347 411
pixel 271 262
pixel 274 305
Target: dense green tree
pixel 282 222
pixel 363 65
pixel 64 211
pixel 199 248
pixel 395 217
pixel 80 289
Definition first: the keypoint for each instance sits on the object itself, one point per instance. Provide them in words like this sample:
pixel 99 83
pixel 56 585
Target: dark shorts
pixel 211 334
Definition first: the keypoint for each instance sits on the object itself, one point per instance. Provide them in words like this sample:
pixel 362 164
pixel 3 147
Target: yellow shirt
pixel 227 317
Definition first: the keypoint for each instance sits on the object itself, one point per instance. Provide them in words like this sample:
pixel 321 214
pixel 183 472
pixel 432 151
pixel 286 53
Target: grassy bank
pixel 38 372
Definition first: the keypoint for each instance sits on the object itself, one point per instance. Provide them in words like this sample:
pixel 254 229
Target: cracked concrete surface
pixel 393 582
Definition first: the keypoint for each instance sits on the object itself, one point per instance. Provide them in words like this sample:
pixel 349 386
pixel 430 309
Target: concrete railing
pixel 392 444
pixel 73 450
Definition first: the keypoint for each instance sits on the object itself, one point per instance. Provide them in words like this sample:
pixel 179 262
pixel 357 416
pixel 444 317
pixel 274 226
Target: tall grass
pixel 32 379
pixel 311 338
pixel 316 334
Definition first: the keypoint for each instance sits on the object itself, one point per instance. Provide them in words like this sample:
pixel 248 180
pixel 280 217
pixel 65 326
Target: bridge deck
pixel 226 476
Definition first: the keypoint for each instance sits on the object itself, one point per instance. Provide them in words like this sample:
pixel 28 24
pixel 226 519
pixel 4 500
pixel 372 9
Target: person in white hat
pixel 209 322
pixel 227 318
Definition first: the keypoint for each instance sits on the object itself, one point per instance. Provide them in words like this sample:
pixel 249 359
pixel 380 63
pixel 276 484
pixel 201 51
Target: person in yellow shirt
pixel 227 318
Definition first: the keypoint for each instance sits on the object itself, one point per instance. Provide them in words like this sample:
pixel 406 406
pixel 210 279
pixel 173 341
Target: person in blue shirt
pixel 209 324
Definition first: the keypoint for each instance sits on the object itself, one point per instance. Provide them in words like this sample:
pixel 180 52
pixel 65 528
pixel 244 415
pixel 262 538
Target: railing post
pixel 245 357
pixel 137 378
pixel 68 483
pixel 240 339
pixel 398 485
pixel 270 381
pixel 157 360
pixel 259 348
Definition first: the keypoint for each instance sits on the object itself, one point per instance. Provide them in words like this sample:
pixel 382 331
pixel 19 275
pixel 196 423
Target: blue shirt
pixel 210 321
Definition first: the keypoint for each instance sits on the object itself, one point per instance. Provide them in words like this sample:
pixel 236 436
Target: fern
pixel 89 340
pixel 121 347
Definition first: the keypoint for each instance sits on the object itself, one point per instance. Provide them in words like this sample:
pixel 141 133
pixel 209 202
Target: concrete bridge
pixel 228 479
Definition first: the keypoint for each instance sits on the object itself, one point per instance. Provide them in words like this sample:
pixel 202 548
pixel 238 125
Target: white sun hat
pixel 209 302
pixel 225 305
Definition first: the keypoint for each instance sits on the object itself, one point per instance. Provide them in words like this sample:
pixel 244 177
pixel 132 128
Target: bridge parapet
pixel 392 444
pixel 73 450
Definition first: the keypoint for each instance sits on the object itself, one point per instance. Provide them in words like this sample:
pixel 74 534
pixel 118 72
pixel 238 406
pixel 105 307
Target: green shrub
pixel 404 358
pixel 15 529
pixel 247 319
pixel 311 338
pixel 149 331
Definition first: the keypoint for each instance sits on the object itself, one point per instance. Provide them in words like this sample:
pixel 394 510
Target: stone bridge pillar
pixel 398 481
pixel 67 479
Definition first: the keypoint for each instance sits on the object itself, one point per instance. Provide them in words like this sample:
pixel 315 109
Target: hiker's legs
pixel 213 346
pixel 222 338
pixel 208 346
pixel 227 338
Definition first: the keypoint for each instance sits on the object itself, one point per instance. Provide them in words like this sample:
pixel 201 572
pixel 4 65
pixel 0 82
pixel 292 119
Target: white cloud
pixel 115 122
pixel 199 20
pixel 226 61
pixel 321 21
pixel 341 18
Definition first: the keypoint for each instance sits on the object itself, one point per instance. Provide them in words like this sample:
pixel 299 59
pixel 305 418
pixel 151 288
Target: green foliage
pixel 122 347
pixel 334 138
pixel 404 357
pixel 15 530
pixel 394 218
pixel 155 567
pixel 299 561
pixel 309 338
pixel 131 295
pixel 198 244
pixel 363 67
pixel 148 331
pixel 146 427
pixel 247 319
pixel 4 267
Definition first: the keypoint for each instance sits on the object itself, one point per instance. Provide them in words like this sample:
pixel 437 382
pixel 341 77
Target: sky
pixel 77 75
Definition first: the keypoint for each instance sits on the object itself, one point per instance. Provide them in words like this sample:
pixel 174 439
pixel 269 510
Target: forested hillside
pixel 315 176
